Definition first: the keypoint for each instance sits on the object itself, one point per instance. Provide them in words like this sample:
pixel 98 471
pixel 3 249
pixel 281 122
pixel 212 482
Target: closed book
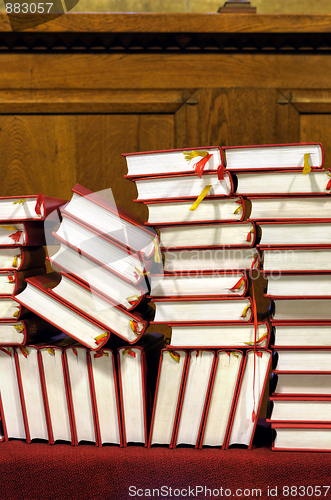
pixel 98 278
pixel 204 310
pixel 10 309
pixel 294 309
pixel 300 384
pixel 273 156
pixel 303 286
pixel 13 282
pixel 304 409
pixel 101 214
pixel 183 237
pixel 29 207
pixel 129 326
pixel 284 208
pixel 93 395
pixel 137 374
pixel 183 186
pixel 291 182
pixel 10 401
pixel 24 331
pixel 294 233
pixel 211 209
pixel 200 367
pixel 249 397
pixel 216 260
pixel 21 258
pixel 302 437
pixel 304 360
pixel 169 385
pixel 278 260
pixel 42 302
pixel 23 234
pixel 175 161
pixel 299 334
pixel 221 398
pixel 199 284
pixel 104 253
pixel 212 335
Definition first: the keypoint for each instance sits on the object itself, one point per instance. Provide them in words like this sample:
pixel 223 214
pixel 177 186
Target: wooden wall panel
pixel 37 155
pixel 317 128
pixel 101 140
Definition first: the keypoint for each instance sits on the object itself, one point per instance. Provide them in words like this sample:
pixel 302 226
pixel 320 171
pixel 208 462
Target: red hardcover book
pixel 177 187
pixel 303 384
pixel 282 182
pixel 175 161
pixel 23 233
pixel 211 335
pixel 304 409
pixel 10 309
pixel 54 385
pixel 103 253
pixel 229 209
pixel 27 330
pixel 10 401
pixel 109 221
pixel 13 282
pixel 301 260
pixel 137 374
pixel 247 407
pixel 98 279
pixel 29 207
pixel 300 286
pixel 302 360
pixel 92 395
pixel 302 437
pixel 301 334
pixel 199 284
pixel 21 258
pixel 208 236
pixel 42 302
pixel 300 309
pixel 316 208
pixel 196 387
pixel 294 233
pixel 274 156
pixel 129 326
pixel 221 399
pixel 205 310
pixel 168 392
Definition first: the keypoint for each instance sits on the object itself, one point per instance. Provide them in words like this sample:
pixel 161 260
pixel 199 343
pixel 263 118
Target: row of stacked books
pixel 213 372
pixel 90 377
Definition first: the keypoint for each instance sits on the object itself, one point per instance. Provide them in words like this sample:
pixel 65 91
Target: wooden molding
pixel 308 101
pixel 90 101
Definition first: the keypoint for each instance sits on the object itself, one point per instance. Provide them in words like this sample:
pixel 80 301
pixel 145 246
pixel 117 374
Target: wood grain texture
pixel 309 101
pixel 37 155
pixel 317 128
pixel 176 23
pixel 101 140
pixel 89 101
pixel 163 71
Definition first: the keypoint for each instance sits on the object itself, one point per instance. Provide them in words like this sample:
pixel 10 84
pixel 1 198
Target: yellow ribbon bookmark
pixel 19 328
pixel 237 210
pixel 134 325
pixel 244 314
pixel 21 201
pixel 51 351
pixel 157 253
pixel 189 155
pixel 9 228
pixel 306 166
pixel 175 356
pixel 264 336
pixel 201 196
pixel 100 338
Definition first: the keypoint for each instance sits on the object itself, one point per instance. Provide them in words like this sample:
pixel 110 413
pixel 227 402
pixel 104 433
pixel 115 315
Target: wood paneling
pixel 37 155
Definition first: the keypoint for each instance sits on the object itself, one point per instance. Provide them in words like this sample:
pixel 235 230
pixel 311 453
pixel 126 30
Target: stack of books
pixel 22 255
pixel 208 252
pixel 290 203
pixel 65 388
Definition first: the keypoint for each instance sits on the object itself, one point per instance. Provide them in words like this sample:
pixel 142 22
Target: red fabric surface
pixel 42 471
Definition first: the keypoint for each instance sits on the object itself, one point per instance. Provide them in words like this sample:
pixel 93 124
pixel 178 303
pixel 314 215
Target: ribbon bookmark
pixel 134 327
pixel 24 351
pixel 248 239
pixel 198 166
pixel 100 338
pixel 130 352
pixel 51 351
pixel 39 201
pixel 260 340
pixel 15 261
pixel 101 353
pixel 201 196
pixel 237 210
pixel 19 202
pixel 157 253
pixel 328 186
pixel 244 314
pixel 175 356
pixel 238 285
pixel 306 166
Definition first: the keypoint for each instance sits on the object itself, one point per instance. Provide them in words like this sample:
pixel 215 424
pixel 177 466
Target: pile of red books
pixel 291 206
pixel 213 373
pixel 92 380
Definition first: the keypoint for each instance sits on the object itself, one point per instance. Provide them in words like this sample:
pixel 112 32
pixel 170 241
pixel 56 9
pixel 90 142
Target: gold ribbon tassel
pixel 201 196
